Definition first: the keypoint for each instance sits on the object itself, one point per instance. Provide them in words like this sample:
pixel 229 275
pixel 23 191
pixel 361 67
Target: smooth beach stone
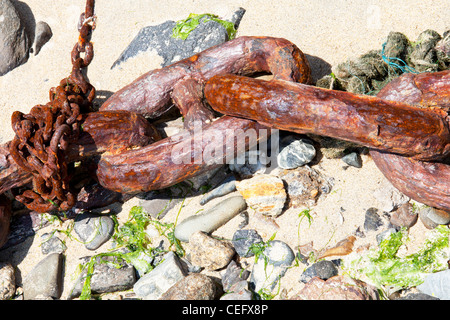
pixel 94 230
pixel 295 153
pixel 211 219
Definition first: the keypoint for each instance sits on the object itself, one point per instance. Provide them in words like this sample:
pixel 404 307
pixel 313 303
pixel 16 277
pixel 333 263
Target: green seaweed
pixel 386 270
pixel 184 27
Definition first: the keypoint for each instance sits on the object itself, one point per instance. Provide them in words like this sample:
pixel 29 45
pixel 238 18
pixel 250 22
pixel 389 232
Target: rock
pixel 45 278
pixel 323 269
pixel 50 243
pixel 159 38
pixel 24 226
pixel 210 219
pixel 353 159
pixel 243 240
pixel 423 55
pixel 295 153
pixel 238 291
pixel 443 51
pixel 264 193
pixel 94 230
pixel 110 275
pixel 249 164
pixel 417 296
pixel 43 34
pixel 304 186
pixel 7 281
pixel 372 220
pixel 158 204
pixel 14 42
pixel 272 264
pixel 337 288
pixel 436 285
pixel 397 46
pixel 385 235
pixel 404 216
pixel 389 197
pixel 227 186
pixel 195 286
pixel 432 217
pixel 155 283
pixel 208 252
pixel 233 275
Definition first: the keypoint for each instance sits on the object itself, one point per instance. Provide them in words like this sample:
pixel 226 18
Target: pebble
pixel 158 204
pixel 295 152
pixel 404 216
pixel 50 243
pixel 432 217
pixel 389 197
pixel 227 186
pixel 272 264
pixel 372 220
pixel 233 274
pixel 94 230
pixel 417 296
pixel 385 235
pixel 210 219
pixel 340 287
pixel 195 286
pixel 436 285
pixel 264 193
pixel 45 278
pixel 304 186
pixel 209 253
pixel 43 34
pixel 14 41
pixel 107 277
pixel 7 281
pixel 353 159
pixel 155 283
pixel 243 240
pixel 171 49
pixel 323 269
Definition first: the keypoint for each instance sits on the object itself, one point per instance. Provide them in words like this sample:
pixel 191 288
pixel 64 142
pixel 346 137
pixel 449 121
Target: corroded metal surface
pixel 426 182
pixel 390 126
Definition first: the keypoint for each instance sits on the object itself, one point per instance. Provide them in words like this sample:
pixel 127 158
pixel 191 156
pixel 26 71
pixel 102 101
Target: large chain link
pixel 43 135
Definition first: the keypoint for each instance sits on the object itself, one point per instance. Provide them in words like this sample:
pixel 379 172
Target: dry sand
pixel 329 32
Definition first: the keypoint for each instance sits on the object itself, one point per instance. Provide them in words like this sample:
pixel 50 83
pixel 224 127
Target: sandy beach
pixel 329 32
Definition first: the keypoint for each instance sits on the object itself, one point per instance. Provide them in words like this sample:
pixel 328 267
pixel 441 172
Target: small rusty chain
pixel 43 135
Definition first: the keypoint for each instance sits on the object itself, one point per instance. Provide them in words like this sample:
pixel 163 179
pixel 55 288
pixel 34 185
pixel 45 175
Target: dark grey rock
pixel 295 152
pixel 152 285
pixel 45 278
pixel 50 243
pixel 323 269
pixel 353 159
pixel 94 230
pixel 233 274
pixel 24 226
pixel 14 42
pixel 158 204
pixel 243 240
pixel 372 220
pixel 171 49
pixel 42 35
pixel 107 276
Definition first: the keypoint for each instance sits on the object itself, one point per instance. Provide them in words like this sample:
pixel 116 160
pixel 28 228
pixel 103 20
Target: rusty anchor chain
pixel 43 135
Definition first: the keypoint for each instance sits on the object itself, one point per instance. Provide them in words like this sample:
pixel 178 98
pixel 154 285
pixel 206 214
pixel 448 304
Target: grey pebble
pixel 45 278
pixel 43 34
pixel 372 220
pixel 50 243
pixel 295 153
pixel 243 240
pixel 323 269
pixel 226 187
pixel 353 159
pixel 436 285
pixel 94 230
pixel 210 219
